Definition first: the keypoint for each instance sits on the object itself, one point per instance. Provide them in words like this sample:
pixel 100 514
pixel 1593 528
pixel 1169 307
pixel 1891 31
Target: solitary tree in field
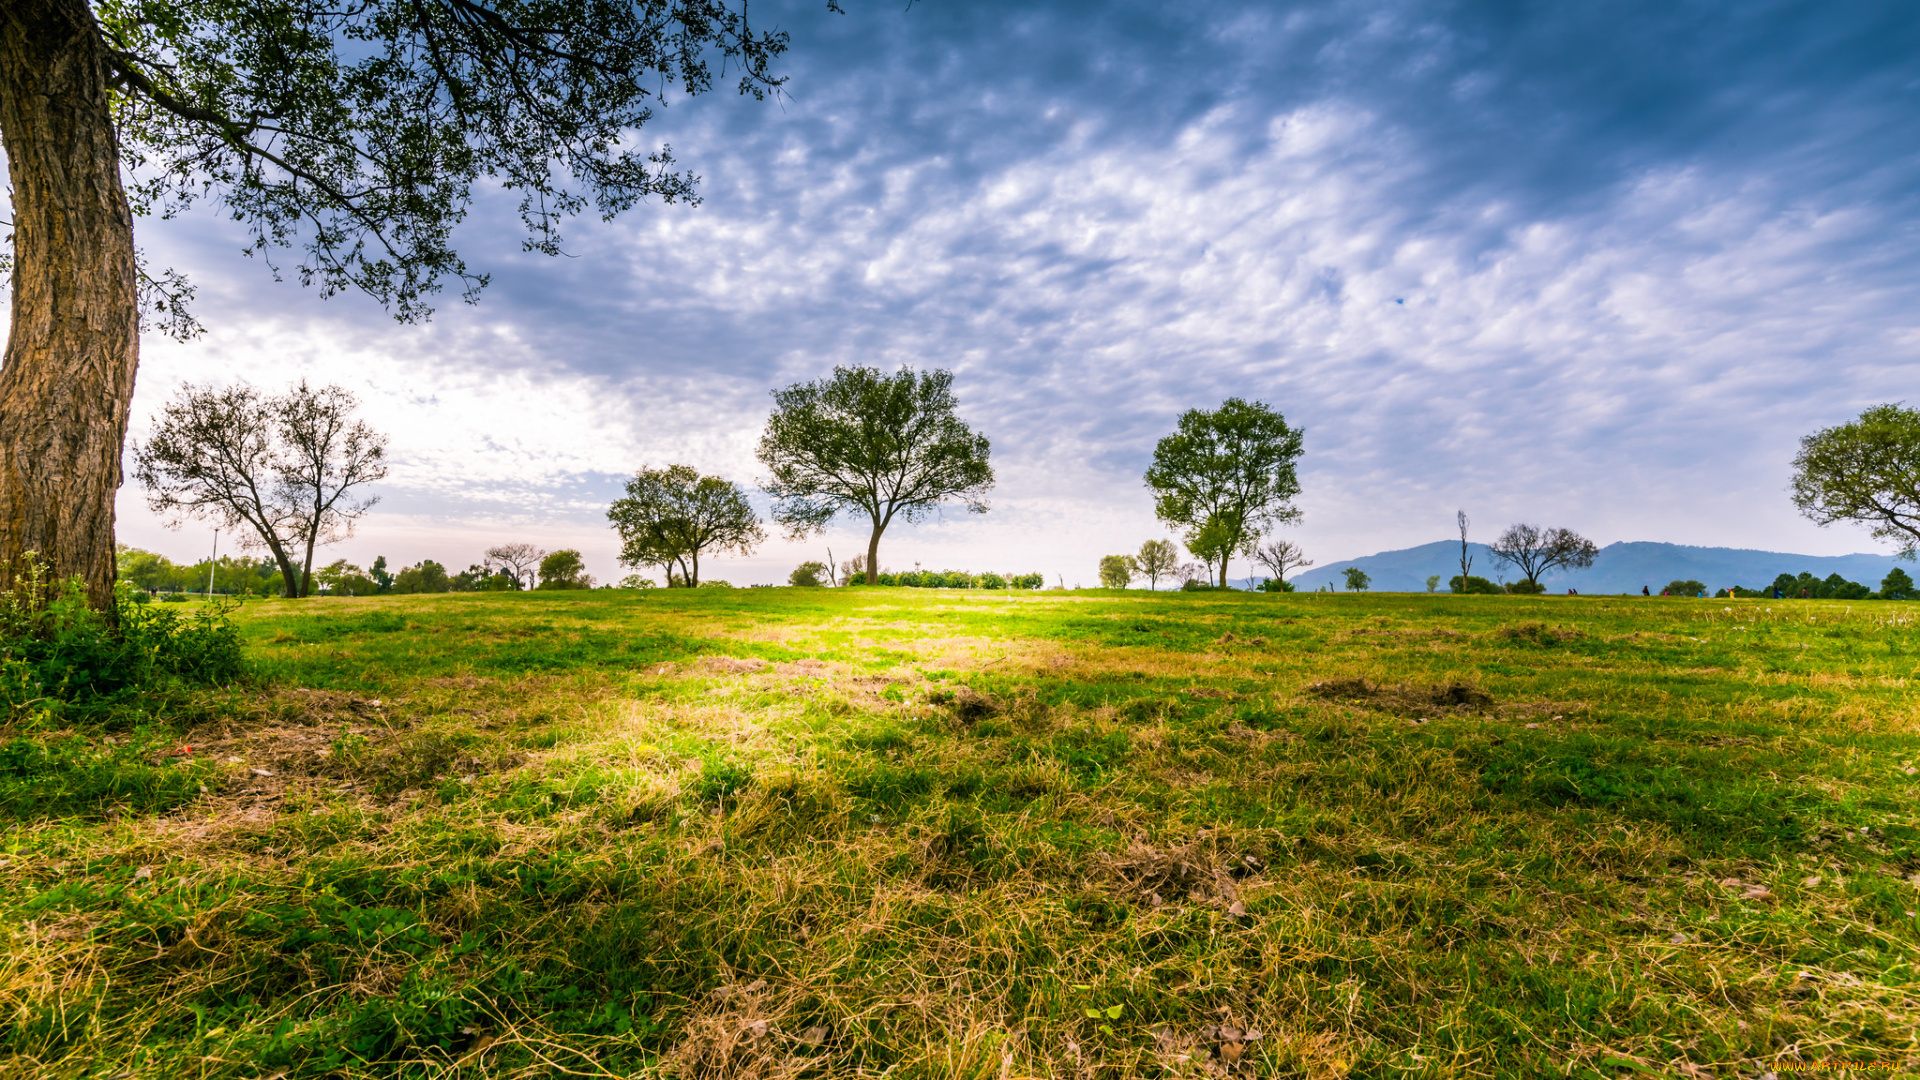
pixel 1281 556
pixel 867 444
pixel 1116 571
pixel 353 133
pixel 1226 476
pixel 1466 561
pixel 280 472
pixel 1867 472
pixel 670 516
pixel 1535 551
pixel 1357 579
pixel 519 561
pixel 1157 559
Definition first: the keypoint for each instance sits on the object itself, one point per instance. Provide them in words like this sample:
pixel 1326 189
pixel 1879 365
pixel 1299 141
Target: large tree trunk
pixel 67 381
pixel 873 552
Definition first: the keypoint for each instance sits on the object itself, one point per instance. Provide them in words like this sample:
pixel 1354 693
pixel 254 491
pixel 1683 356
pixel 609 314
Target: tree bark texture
pixel 66 384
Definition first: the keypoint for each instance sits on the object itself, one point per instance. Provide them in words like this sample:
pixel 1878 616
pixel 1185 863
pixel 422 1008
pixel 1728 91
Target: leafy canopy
pixel 280 472
pixel 564 569
pixel 1157 559
pixel 670 516
pixel 1226 476
pixel 1866 471
pixel 870 444
pixel 357 131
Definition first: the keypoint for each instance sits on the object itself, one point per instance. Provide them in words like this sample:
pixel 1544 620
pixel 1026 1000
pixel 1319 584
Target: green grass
pixel 933 833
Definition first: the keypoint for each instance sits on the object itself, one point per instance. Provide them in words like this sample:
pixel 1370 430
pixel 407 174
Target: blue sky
pixel 1587 265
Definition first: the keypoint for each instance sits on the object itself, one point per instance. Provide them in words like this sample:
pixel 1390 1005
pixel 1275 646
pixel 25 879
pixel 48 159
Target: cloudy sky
pixel 1596 265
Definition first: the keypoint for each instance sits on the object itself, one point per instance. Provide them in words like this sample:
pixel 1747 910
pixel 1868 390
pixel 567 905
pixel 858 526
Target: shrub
pixel 1523 587
pixel 1029 581
pixel 1274 584
pixel 716 583
pixel 992 580
pixel 1475 586
pixel 56 651
pixel 807 574
pixel 1684 588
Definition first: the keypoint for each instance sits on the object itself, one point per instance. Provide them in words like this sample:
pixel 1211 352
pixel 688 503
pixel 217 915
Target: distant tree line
pixel 1897 585
pixel 953 579
pixel 526 567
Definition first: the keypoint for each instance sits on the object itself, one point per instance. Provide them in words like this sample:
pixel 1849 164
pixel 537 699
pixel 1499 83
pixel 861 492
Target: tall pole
pixel 212 562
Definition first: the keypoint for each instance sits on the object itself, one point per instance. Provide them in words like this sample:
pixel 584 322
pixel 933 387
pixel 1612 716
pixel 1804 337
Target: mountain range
pixel 1619 568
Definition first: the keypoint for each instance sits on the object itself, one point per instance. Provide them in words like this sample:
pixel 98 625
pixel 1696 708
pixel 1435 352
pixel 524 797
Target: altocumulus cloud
pixel 1598 267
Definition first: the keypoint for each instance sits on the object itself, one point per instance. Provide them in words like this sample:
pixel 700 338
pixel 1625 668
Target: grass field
pixel 786 832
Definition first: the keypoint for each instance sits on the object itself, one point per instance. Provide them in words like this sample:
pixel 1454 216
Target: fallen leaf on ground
pixel 722 993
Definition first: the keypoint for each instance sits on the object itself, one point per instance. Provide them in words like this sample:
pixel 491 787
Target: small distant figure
pixel 1803 594
pixel 1776 592
pixel 1644 592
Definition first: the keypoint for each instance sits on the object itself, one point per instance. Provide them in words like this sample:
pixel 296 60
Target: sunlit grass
pixel 813 832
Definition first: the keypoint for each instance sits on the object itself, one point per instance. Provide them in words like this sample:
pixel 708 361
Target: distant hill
pixel 1620 568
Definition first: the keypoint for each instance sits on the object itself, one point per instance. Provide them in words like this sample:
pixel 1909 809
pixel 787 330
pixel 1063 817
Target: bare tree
pixel 276 471
pixel 519 561
pixel 1466 560
pixel 1535 551
pixel 1280 556
pixel 855 567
